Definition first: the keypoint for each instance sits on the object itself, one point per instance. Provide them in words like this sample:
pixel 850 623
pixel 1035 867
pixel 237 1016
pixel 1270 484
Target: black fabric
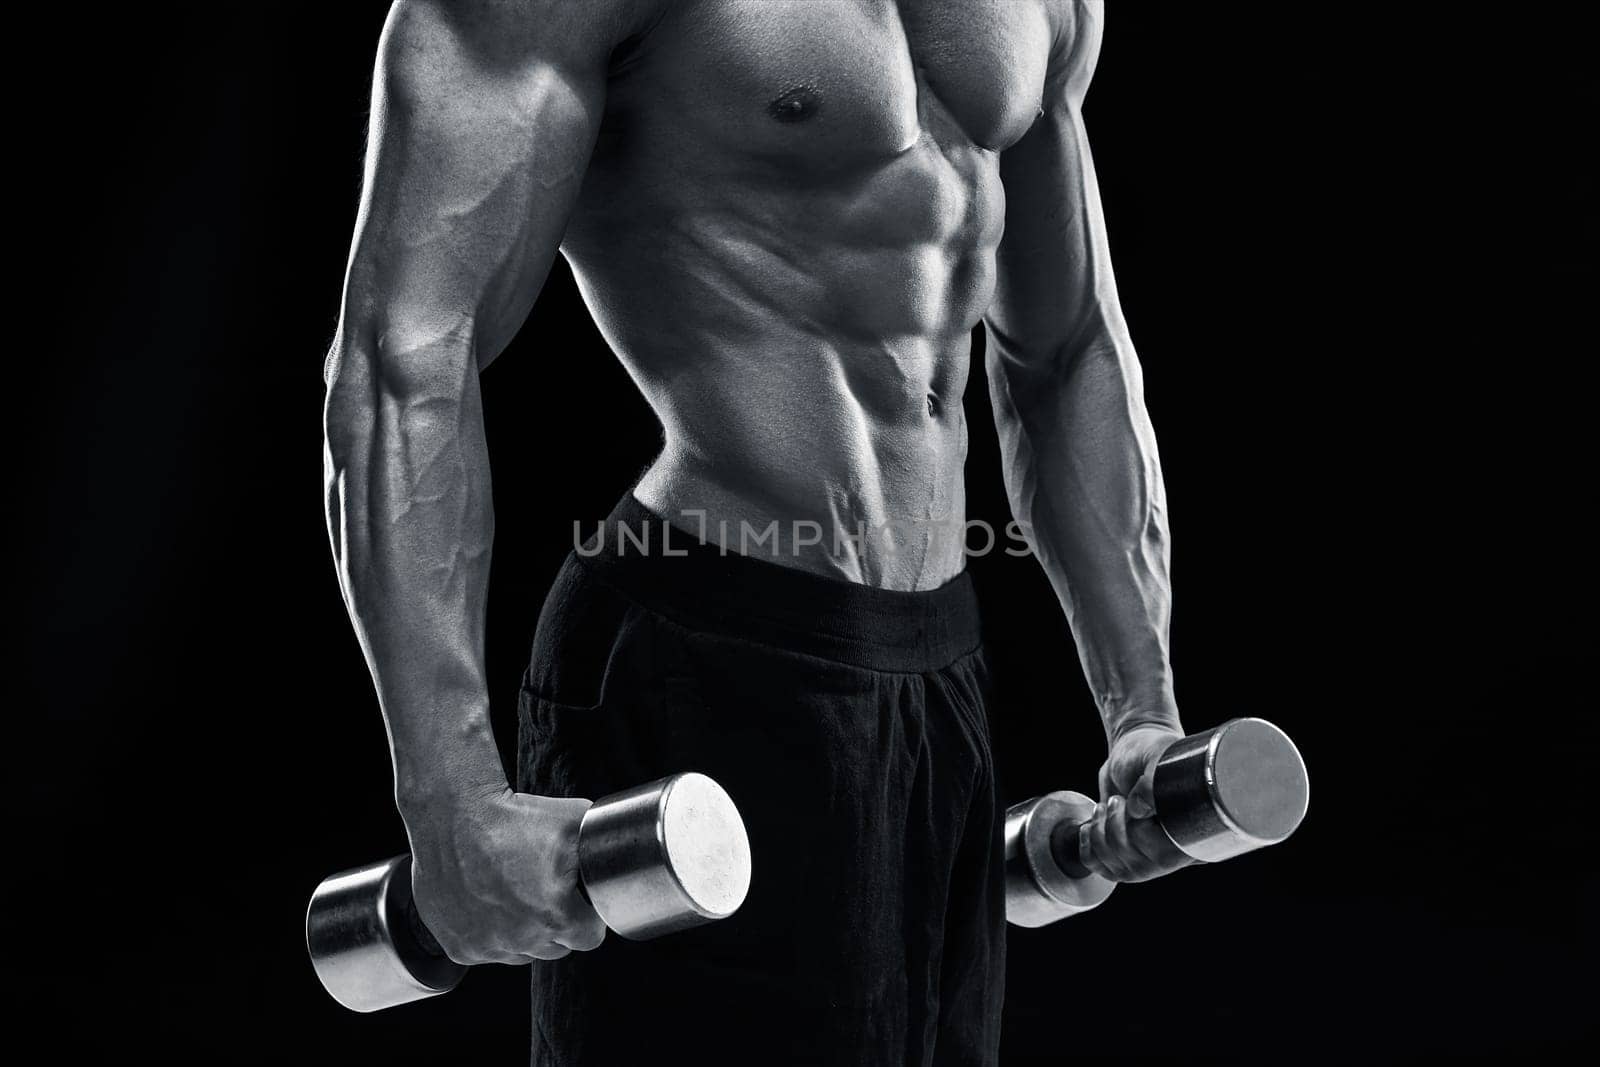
pixel 848 724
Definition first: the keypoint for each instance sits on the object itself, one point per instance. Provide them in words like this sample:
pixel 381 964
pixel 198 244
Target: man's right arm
pixel 484 114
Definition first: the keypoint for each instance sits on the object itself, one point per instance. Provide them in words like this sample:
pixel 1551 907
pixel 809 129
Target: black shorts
pixel 848 724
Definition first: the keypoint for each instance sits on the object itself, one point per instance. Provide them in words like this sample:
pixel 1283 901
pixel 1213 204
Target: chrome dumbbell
pixel 652 860
pixel 1229 790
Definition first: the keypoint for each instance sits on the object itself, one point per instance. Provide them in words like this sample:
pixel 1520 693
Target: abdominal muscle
pixel 806 355
pixel 800 471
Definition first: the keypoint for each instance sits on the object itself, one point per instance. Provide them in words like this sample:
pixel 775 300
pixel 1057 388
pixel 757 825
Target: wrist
pixel 1157 711
pixel 424 803
pixel 427 791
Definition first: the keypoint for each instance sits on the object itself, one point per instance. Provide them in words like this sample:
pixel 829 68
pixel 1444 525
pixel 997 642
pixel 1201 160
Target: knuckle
pixel 555 916
pixel 461 948
pixel 589 938
pixel 542 922
pixel 580 925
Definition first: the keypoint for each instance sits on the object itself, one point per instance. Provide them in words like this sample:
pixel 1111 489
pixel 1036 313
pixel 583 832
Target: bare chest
pixel 832 82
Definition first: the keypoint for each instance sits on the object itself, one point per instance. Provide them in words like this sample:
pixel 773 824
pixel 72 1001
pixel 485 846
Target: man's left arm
pixel 1081 467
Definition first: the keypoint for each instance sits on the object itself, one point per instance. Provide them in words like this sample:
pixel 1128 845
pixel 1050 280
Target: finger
pixel 1117 834
pixel 1091 842
pixel 584 936
pixel 1103 856
pixel 1130 865
pixel 580 927
pixel 1141 864
pixel 1142 798
pixel 458 951
pixel 1157 850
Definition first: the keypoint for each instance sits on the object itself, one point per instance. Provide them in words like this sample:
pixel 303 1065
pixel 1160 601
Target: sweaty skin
pixel 786 217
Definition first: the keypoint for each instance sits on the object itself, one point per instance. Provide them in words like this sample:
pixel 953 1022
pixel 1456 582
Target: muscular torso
pixel 787 233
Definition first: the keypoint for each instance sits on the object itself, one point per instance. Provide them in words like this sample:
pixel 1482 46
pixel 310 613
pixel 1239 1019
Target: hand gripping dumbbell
pixel 652 860
pixel 1218 794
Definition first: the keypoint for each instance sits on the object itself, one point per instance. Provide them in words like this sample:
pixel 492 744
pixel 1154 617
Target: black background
pixel 1354 248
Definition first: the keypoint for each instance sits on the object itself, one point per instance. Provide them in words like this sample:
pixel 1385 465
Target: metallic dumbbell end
pixel 664 857
pixel 1230 790
pixel 1038 892
pixel 361 946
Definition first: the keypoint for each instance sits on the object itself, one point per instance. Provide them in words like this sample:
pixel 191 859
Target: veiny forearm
pixel 411 522
pixel 1081 467
pixel 483 119
pixel 1084 477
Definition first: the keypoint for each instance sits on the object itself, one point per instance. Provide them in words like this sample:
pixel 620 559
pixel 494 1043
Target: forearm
pixel 411 522
pixel 483 119
pixel 1084 479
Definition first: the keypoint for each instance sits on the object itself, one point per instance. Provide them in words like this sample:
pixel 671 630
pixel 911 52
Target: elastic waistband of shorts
pixel 669 571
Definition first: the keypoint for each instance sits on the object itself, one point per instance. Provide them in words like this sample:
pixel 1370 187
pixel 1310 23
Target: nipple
pixel 796 104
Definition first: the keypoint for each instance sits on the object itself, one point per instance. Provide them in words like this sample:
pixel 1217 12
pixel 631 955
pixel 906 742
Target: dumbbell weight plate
pixel 1038 891
pixel 1231 790
pixel 665 856
pixel 363 955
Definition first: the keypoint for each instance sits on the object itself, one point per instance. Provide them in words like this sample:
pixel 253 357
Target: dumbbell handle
pixel 1064 849
pixel 421 936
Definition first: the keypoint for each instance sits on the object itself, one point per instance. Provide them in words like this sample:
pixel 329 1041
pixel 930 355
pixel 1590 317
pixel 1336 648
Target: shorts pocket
pixel 581 626
pixel 589 711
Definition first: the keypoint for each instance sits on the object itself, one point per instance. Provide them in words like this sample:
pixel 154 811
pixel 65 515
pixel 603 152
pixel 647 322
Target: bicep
pixel 1055 292
pixel 477 150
